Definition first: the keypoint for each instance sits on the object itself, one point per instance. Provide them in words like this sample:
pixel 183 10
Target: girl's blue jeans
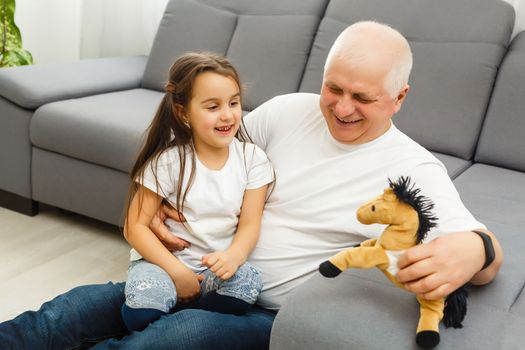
pixel 89 316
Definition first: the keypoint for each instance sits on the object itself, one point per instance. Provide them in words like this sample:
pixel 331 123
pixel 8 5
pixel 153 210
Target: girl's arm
pixel 143 207
pixel 225 264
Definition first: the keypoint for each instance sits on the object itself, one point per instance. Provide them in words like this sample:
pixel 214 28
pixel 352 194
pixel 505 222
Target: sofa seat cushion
pixel 496 197
pixel 103 129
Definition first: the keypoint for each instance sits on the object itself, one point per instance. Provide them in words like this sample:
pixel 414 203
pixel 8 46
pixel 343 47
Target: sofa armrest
pixel 33 86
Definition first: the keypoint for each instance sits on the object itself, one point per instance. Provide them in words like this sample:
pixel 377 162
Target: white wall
pixel 50 28
pixel 119 27
pixel 519 6
pixel 68 30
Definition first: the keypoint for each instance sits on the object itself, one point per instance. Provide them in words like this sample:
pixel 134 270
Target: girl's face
pixel 214 111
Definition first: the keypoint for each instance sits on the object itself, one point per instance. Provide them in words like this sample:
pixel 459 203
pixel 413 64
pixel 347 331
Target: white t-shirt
pixel 311 213
pixel 213 203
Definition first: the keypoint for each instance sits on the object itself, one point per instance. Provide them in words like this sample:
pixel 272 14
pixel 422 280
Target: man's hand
pixel 222 264
pixel 170 241
pixel 436 269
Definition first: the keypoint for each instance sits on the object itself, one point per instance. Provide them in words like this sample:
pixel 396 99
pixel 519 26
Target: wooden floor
pixel 51 253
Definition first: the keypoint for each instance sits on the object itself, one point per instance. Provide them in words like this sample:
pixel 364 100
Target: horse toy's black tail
pixel 455 308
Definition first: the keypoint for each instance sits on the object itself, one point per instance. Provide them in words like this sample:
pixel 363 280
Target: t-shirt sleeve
pixel 160 174
pixel 451 213
pixel 260 170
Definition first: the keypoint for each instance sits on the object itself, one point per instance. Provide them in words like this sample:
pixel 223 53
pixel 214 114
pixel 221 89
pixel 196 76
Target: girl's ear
pixel 179 110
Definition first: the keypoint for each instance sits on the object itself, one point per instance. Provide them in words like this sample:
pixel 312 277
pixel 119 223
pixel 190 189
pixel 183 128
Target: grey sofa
pixel 69 132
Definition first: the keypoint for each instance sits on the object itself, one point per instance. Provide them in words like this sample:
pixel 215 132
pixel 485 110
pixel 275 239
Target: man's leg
pixel 77 319
pixel 195 329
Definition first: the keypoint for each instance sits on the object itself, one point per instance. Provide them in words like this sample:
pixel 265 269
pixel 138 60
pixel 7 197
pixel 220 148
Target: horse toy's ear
pixel 389 195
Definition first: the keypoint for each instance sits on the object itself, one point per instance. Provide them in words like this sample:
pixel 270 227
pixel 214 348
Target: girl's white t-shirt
pixel 213 204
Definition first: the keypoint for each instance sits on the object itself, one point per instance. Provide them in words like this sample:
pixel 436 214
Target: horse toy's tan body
pixel 408 217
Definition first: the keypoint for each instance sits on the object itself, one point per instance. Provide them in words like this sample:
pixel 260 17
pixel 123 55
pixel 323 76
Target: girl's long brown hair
pixel 168 128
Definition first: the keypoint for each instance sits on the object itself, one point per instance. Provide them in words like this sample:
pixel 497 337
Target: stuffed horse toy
pixel 409 218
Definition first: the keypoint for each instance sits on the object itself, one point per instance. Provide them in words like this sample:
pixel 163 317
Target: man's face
pixel 355 104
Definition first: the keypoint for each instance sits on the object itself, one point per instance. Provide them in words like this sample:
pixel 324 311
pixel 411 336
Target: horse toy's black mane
pixel 405 192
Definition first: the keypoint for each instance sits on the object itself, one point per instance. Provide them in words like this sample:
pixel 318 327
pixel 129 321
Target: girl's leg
pixel 235 295
pixel 193 329
pixel 150 294
pixel 77 319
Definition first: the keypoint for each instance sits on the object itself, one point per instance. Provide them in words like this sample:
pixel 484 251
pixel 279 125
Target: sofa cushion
pixel 502 140
pixel 267 41
pixel 454 51
pixel 496 197
pixel 102 129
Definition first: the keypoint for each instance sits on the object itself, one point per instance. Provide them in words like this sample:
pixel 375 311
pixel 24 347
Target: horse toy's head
pixel 404 209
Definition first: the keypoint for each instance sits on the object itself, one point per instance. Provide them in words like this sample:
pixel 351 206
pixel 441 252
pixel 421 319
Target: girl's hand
pixel 221 263
pixel 187 284
pixel 168 239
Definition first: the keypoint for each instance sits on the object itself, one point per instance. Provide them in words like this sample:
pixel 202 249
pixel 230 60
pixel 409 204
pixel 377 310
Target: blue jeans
pixel 149 286
pixel 90 316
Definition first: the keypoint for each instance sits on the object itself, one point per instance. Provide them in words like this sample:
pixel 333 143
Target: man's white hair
pixel 353 47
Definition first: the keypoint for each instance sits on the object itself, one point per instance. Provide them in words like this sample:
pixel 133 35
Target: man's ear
pixel 400 98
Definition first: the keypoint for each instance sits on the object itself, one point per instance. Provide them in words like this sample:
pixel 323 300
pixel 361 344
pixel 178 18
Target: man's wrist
pixel 488 247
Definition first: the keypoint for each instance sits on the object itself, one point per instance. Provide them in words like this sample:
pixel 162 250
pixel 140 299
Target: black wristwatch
pixel 490 255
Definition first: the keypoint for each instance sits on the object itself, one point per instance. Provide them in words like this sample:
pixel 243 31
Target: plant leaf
pixel 16 57
pixel 11 51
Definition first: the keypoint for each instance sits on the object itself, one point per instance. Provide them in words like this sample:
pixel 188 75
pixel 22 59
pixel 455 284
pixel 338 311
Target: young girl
pixel 196 157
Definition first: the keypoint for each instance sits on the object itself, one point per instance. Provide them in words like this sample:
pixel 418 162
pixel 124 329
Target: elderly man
pixel 331 153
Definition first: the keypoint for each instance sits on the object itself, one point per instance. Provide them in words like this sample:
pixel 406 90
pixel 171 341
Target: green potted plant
pixel 11 51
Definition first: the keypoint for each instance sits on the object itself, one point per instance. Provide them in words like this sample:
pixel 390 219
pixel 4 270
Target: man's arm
pixel 436 269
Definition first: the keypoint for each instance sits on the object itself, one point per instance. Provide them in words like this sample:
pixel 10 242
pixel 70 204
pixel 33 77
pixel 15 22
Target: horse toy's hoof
pixel 328 269
pixel 427 339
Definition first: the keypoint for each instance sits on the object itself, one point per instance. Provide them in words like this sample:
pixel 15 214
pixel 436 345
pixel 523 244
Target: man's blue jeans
pixel 89 316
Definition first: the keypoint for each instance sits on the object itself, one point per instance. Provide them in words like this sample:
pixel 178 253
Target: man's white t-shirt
pixel 320 183
pixel 213 203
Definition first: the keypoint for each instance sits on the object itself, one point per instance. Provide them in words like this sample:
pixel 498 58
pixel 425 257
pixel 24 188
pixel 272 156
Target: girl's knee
pixel 150 287
pixel 248 274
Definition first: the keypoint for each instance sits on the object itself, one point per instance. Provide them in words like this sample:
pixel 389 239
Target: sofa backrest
pixel 268 41
pixel 457 46
pixel 502 140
